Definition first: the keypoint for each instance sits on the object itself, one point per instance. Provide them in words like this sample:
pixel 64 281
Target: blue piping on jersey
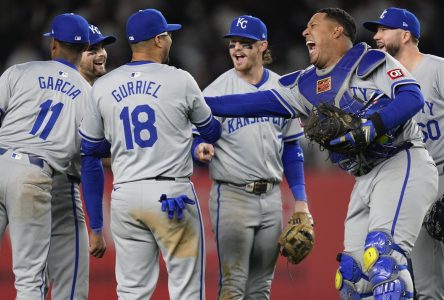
pixel 76 225
pixel 401 197
pixel 65 62
pixel 294 136
pixel 139 62
pixel 90 138
pixel 202 244
pixel 264 78
pixel 205 122
pixel 284 103
pixel 217 240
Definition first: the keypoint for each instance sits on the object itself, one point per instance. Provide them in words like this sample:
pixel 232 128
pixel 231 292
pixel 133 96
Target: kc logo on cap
pixel 248 27
pixel 396 18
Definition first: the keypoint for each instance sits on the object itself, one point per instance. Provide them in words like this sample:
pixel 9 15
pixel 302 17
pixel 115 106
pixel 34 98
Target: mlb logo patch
pixel 63 74
pixel 77 38
pixel 323 85
pixel 135 74
pixel 395 74
pixel 16 155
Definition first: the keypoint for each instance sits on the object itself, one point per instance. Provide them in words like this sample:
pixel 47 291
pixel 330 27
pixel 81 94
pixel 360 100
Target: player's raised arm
pixel 268 103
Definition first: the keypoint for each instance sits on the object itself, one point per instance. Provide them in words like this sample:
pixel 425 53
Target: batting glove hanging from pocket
pixel 176 204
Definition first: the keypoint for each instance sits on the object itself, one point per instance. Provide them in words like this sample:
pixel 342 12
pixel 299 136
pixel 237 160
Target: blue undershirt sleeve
pixel 257 104
pixel 407 102
pixel 293 162
pixel 210 132
pixel 98 149
pixel 92 178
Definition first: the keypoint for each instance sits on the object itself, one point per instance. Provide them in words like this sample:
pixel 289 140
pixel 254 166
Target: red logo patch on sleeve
pixel 395 73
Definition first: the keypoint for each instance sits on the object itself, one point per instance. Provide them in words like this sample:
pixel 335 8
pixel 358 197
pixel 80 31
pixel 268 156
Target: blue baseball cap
pixel 396 18
pixel 146 24
pixel 70 28
pixel 95 36
pixel 249 27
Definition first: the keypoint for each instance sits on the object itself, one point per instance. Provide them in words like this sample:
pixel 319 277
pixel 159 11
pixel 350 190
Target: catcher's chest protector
pixel 333 87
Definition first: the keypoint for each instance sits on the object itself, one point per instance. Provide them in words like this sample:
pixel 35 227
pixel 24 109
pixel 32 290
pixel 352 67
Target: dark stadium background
pixel 199 49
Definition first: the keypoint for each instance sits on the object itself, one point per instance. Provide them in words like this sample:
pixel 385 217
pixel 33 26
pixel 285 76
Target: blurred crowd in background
pixel 199 47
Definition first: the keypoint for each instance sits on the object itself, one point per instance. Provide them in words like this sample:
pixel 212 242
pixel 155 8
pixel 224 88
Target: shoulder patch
pixel 290 79
pixel 369 62
pixel 395 74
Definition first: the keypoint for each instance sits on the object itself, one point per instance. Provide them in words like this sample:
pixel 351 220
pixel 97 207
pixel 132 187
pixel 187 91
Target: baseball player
pixel 145 110
pixel 68 259
pixel 397 32
pixel 391 195
pixel 40 108
pixel 245 201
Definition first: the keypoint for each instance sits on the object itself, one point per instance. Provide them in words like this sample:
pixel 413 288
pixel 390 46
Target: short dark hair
pixel 343 18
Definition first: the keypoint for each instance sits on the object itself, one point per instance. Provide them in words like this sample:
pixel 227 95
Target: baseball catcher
pixel 297 239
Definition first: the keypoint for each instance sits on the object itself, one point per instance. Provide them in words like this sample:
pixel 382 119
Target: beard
pixel 392 49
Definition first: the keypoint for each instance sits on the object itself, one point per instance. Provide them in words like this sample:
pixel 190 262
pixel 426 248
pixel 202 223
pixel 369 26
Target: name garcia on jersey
pixel 237 123
pixel 60 85
pixel 139 87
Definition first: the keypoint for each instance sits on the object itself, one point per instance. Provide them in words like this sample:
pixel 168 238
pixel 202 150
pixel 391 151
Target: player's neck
pixel 253 75
pixel 409 57
pixel 143 56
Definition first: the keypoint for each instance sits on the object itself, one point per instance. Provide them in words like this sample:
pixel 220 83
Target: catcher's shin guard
pixel 386 265
pixel 347 277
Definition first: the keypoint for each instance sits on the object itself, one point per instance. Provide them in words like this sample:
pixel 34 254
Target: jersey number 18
pixel 133 121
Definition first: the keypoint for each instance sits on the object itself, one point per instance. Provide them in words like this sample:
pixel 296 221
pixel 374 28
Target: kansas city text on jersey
pixel 134 88
pixel 60 85
pixel 237 123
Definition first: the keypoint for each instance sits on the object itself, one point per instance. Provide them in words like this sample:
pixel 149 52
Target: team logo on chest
pixel 323 85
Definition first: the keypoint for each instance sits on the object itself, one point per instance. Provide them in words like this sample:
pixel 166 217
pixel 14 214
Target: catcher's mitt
pixel 327 122
pixel 297 239
pixel 434 221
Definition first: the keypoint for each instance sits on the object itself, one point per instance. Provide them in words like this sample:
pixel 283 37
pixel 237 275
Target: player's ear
pixel 338 31
pixel 263 46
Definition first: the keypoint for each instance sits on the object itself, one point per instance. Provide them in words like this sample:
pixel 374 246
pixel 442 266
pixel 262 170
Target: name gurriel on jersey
pixel 60 85
pixel 136 88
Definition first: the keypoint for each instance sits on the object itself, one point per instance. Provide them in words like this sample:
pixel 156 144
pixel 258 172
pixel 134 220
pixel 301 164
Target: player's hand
pixel 363 135
pixel 204 152
pixel 173 205
pixel 97 245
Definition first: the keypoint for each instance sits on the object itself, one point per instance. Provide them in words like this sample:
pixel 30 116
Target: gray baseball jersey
pixel 262 138
pixel 385 197
pixel 428 253
pixel 145 110
pixel 46 128
pixel 40 107
pixel 249 150
pixel 147 119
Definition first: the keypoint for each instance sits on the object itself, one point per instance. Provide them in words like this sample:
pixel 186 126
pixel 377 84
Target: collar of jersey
pixel 65 62
pixel 139 62
pixel 265 76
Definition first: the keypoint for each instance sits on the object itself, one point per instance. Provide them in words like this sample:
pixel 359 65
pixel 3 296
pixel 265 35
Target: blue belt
pixel 37 161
